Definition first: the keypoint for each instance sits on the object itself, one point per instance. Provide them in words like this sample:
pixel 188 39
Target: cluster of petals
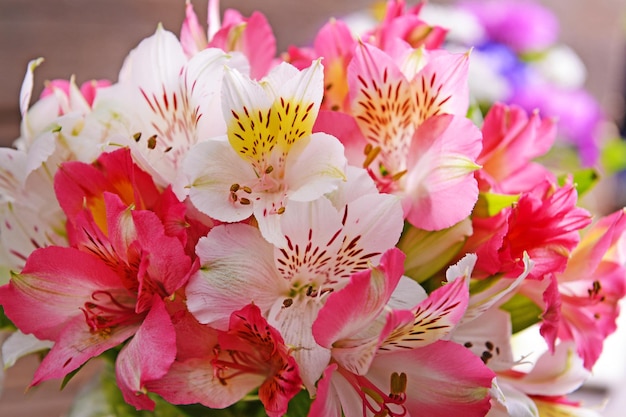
pixel 225 222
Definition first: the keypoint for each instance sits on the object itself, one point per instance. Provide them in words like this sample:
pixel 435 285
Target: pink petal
pixel 53 287
pixel 354 308
pixel 77 344
pixel 443 379
pixel 192 36
pixel 147 356
pixel 441 165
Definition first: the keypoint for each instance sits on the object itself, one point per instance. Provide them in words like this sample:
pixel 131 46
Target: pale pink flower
pixel 403 129
pixel 580 304
pixel 393 362
pixel 326 241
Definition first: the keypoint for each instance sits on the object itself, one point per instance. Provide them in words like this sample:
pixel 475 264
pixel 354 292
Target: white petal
pixel 358 183
pixel 155 63
pixel 489 338
pixel 212 168
pixel 240 92
pixel 27 86
pixel 295 324
pixel 237 268
pixel 19 344
pixel 407 294
pixel 314 167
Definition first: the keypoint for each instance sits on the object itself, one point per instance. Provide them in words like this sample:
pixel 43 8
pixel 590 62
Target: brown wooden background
pixel 90 38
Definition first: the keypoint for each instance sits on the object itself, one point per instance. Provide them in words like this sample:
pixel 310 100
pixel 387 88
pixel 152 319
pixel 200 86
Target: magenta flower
pixel 112 284
pixel 522 25
pixel 229 364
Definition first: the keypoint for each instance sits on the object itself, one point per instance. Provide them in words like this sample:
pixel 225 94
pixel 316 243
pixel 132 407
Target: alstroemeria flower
pixel 252 36
pixel 581 304
pixel 270 155
pixel 544 222
pixel 391 362
pixel 404 130
pixel 72 98
pixel 511 140
pixel 406 25
pixel 113 283
pixel 164 112
pixel 543 390
pixel 326 242
pixel 249 354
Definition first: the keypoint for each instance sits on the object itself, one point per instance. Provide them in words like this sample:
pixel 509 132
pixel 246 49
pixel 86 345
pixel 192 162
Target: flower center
pixel 106 312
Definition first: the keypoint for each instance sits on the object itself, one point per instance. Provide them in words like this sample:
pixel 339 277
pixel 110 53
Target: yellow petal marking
pixel 254 133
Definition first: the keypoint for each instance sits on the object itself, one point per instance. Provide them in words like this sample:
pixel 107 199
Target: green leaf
pixel 584 180
pixel 524 312
pixel 299 405
pixel 613 157
pixel 490 204
pixel 5 322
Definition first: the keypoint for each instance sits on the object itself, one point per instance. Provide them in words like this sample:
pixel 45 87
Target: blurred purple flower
pixel 579 115
pixel 506 63
pixel 522 25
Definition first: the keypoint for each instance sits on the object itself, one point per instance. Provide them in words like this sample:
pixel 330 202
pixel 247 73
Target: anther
pixel 371 155
pixel 137 136
pixel 234 188
pixel 398 383
pixel 398 175
pixel 287 302
pixel 281 210
pixel 269 169
pixel 244 201
pixel 152 142
pixel 247 189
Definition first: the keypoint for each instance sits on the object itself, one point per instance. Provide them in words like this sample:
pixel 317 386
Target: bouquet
pixel 323 232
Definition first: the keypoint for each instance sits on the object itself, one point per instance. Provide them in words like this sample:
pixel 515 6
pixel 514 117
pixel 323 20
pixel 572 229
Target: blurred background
pixel 90 38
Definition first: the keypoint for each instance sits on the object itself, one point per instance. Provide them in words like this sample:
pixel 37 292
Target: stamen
pixel 371 155
pixel 398 175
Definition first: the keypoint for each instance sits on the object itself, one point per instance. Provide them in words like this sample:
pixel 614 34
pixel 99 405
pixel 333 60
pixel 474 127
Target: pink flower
pixel 252 36
pixel 407 128
pixel 581 303
pixel 405 25
pixel 511 140
pixel 544 223
pixel 388 361
pixel 112 284
pixel 70 97
pixel 250 354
